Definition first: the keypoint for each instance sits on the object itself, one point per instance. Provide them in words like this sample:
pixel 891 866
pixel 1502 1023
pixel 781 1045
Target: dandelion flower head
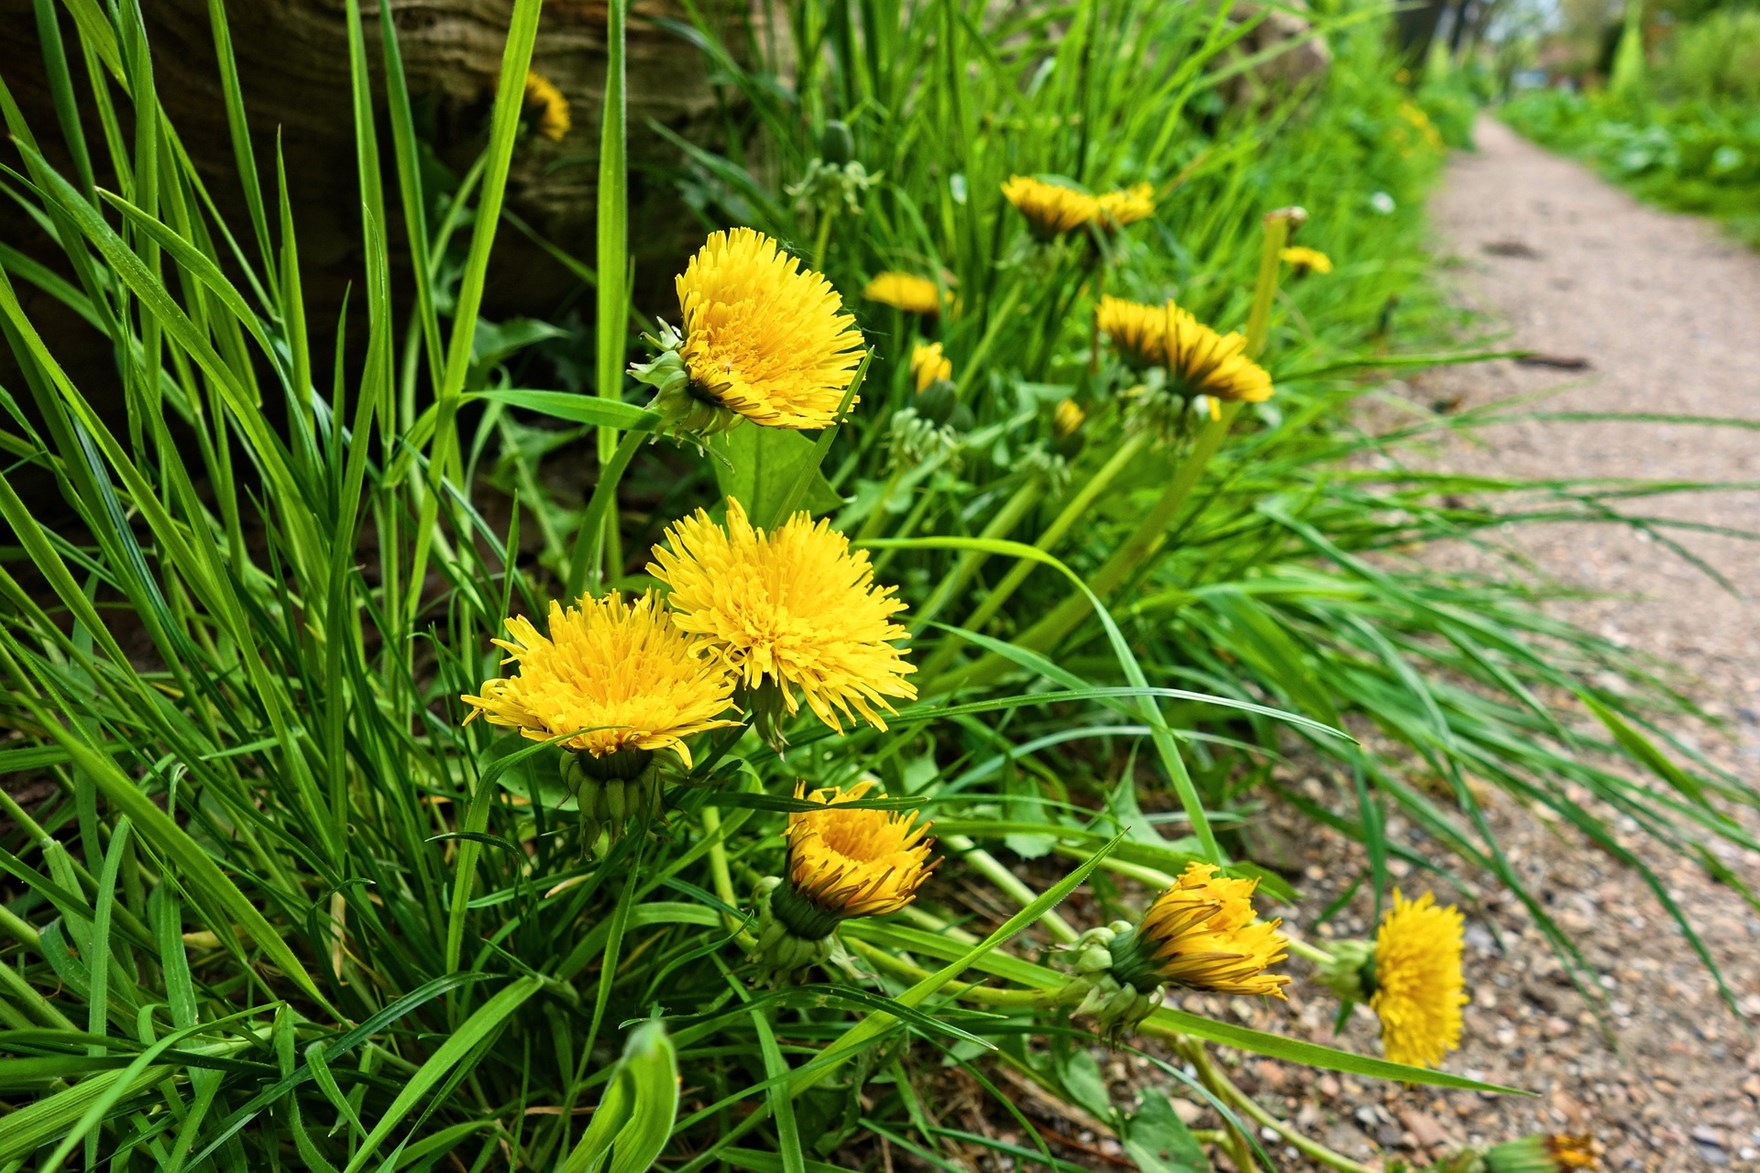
pixel 1116 209
pixel 545 109
pixel 1197 359
pixel 1067 418
pixel 1417 980
pixel 617 675
pixel 904 291
pixel 929 365
pixel 795 608
pixel 763 336
pixel 860 862
pixel 1306 260
pixel 1203 934
pixel 1050 208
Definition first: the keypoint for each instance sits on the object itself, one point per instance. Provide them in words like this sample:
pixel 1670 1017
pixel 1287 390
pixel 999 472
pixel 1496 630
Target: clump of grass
pixel 284 904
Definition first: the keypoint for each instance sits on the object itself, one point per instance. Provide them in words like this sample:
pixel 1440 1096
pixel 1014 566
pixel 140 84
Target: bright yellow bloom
pixel 1050 208
pixel 1067 417
pixel 621 672
pixel 1203 934
pixel 855 862
pixel 1119 208
pixel 1197 359
pixel 795 609
pixel 1306 260
pixel 1414 114
pixel 763 336
pixel 545 110
pixel 904 291
pixel 929 365
pixel 1572 1152
pixel 1417 980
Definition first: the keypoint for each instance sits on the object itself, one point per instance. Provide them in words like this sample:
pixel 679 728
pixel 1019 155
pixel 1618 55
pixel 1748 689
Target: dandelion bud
pixel 1066 425
pixel 841 863
pixel 543 109
pixel 836 145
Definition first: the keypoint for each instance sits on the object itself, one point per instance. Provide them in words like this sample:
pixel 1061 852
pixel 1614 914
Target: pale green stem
pixel 721 874
pixel 872 523
pixel 1000 526
pixel 1313 1148
pixel 991 869
pixel 1309 952
pixel 908 527
pixel 1142 543
pixel 1238 1144
pixel 1046 542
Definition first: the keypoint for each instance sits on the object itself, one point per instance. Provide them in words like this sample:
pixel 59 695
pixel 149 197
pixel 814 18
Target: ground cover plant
pixel 1685 134
pixel 966 545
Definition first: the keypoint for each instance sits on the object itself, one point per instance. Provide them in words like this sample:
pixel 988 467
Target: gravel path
pixel 1666 312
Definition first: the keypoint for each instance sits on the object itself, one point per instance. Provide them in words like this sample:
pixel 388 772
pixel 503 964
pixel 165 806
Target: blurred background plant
pixel 266 900
pixel 1682 128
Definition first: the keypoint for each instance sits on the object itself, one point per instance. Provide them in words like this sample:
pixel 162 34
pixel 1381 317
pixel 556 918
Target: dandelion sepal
pixel 1350 970
pixel 613 791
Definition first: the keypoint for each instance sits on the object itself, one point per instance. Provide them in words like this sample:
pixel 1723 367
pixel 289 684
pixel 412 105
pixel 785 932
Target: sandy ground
pixel 1667 314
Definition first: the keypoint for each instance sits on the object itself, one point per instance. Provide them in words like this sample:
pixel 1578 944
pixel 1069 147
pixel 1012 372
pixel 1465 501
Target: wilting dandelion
pixel 904 291
pixel 793 611
pixel 545 109
pixel 762 337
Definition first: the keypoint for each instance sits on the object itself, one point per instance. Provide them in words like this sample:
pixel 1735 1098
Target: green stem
pixel 871 524
pixel 1309 952
pixel 992 869
pixel 586 567
pixel 1138 548
pixel 1312 1148
pixel 1000 526
pixel 1239 1146
pixel 1047 542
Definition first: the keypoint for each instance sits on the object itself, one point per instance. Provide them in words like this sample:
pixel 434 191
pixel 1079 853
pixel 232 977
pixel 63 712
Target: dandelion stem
pixel 1004 521
pixel 1047 542
pixel 991 868
pixel 1150 533
pixel 1302 949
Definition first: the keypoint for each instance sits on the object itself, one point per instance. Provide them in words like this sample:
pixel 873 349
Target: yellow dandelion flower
pixel 1557 1153
pixel 1067 418
pixel 1050 208
pixel 1306 260
pixel 1203 934
pixel 1197 359
pixel 1138 331
pixel 1116 209
pixel 929 365
pixel 763 336
pixel 617 675
pixel 795 610
pixel 904 291
pixel 1572 1151
pixel 855 862
pixel 545 110
pixel 1417 980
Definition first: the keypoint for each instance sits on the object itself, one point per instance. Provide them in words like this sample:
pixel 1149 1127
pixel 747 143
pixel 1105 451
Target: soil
pixel 1631 309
